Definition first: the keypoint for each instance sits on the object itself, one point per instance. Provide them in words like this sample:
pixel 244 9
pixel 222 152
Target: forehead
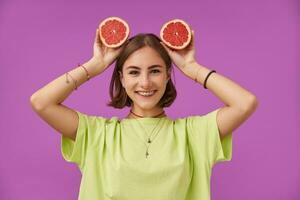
pixel 144 58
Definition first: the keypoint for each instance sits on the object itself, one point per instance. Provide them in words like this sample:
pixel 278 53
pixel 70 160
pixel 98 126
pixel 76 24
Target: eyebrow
pixel 151 67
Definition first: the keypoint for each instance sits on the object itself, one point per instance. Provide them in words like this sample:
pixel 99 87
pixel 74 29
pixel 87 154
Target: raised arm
pixel 47 101
pixel 239 102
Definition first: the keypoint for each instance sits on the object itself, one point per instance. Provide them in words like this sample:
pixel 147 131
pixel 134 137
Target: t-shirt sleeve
pixel 87 135
pixel 206 132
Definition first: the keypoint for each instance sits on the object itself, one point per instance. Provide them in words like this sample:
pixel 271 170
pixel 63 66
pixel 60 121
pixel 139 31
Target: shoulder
pixel 198 120
pixel 96 119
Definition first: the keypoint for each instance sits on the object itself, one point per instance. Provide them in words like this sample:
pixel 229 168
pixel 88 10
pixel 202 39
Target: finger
pixel 105 49
pixel 97 38
pixel 193 39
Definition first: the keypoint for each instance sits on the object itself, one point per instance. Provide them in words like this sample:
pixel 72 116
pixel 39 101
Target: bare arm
pixel 47 101
pixel 239 102
pixel 58 90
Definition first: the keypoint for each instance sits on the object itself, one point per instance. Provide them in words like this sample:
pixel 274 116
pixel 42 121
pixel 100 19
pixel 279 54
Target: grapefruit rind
pixel 187 31
pixel 117 34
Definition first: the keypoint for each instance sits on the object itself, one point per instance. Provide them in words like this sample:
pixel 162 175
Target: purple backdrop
pixel 254 43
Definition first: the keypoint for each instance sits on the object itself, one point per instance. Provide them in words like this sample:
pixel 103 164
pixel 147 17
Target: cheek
pixel 128 83
pixel 162 80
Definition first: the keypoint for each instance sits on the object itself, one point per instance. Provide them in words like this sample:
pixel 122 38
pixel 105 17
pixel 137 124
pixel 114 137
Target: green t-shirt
pixel 110 153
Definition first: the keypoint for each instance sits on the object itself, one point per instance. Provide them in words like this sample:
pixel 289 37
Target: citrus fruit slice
pixel 113 31
pixel 176 34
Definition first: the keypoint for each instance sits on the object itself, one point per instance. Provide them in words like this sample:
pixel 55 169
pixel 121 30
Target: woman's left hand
pixel 183 58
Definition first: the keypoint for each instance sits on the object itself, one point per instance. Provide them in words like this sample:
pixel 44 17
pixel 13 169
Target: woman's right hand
pixel 103 55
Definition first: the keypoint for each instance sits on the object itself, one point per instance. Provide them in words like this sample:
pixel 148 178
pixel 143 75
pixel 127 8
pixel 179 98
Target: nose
pixel 145 81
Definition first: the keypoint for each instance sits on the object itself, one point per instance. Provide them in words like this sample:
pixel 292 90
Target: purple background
pixel 254 43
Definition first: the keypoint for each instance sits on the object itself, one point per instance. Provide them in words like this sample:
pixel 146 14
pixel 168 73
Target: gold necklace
pixel 149 141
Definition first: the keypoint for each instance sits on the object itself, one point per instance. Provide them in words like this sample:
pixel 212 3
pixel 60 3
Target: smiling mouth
pixel 146 93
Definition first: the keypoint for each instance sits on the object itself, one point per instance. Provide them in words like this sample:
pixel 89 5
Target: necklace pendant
pixel 149 141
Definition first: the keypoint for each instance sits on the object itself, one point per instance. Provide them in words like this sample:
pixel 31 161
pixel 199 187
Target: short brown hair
pixel 118 95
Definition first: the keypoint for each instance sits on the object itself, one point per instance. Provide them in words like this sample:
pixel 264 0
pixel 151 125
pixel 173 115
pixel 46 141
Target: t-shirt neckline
pixel 148 120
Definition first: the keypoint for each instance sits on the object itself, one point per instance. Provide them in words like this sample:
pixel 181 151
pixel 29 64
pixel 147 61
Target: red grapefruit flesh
pixel 176 34
pixel 114 31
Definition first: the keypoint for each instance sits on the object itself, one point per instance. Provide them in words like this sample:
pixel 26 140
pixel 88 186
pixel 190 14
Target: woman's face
pixel 144 78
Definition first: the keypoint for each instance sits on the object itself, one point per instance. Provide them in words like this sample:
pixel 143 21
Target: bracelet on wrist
pixel 212 71
pixel 86 71
pixel 74 80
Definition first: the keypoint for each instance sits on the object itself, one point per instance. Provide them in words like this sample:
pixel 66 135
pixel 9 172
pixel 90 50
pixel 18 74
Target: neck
pixel 142 114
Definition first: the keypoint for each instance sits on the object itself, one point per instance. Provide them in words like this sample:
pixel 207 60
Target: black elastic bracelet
pixel 212 71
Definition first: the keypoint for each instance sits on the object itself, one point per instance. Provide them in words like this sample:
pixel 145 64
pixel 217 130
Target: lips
pixel 146 93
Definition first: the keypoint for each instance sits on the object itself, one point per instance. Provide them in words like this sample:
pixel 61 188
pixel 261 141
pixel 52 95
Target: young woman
pixel 146 155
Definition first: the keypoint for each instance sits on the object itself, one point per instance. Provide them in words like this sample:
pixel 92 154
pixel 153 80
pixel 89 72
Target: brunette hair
pixel 118 95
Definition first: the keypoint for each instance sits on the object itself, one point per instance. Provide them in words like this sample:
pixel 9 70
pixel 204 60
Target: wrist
pixel 94 67
pixel 198 72
pixel 192 70
pixel 96 62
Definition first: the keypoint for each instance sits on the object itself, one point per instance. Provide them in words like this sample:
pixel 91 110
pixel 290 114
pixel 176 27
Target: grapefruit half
pixel 114 31
pixel 176 34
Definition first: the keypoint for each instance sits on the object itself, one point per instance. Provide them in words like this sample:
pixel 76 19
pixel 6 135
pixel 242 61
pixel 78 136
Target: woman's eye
pixel 133 72
pixel 155 71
